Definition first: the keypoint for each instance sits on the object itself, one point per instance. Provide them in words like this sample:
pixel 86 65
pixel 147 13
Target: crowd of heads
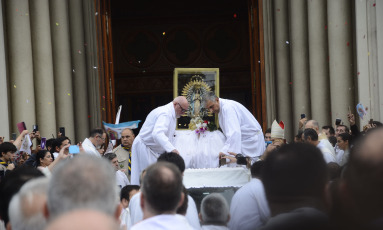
pixel 348 194
pixel 295 176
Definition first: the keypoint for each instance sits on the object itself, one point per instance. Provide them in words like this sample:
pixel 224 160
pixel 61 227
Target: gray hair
pixel 109 156
pixel 209 96
pixel 84 182
pixel 314 123
pixel 214 209
pixel 22 209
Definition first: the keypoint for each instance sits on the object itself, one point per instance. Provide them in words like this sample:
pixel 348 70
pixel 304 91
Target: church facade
pixel 70 63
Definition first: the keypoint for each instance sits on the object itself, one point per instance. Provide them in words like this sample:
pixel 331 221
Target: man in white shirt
pixel 92 144
pixel 136 213
pixel 313 124
pixel 249 208
pixel 126 195
pixel 121 179
pixel 243 133
pixel 156 136
pixel 161 195
pixel 310 136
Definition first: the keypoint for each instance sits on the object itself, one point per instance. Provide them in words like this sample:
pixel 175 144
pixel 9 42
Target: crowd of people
pixel 329 177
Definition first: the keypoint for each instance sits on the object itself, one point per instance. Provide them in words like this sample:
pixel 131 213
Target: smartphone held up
pixel 74 149
pixel 338 121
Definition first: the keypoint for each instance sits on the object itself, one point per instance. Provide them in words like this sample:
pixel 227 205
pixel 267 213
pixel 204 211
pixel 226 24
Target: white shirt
pixel 125 218
pixel 55 155
pixel 159 127
pixel 327 154
pixel 243 132
pixel 338 154
pixel 249 208
pixel 165 222
pixel 89 148
pixel 121 179
pixel 328 145
pixel 156 137
pixel 136 214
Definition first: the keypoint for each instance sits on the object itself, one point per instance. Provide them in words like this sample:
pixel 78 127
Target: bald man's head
pixel 181 105
pixel 127 137
pixel 312 124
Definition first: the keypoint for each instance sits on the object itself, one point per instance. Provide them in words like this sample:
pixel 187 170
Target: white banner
pixel 26 145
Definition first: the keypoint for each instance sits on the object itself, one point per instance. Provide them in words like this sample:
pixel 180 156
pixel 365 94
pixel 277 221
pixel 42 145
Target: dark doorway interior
pixel 151 38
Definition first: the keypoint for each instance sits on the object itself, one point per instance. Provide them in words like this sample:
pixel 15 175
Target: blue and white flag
pixel 114 130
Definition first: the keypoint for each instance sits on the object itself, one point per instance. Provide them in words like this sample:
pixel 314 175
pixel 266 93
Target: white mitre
pixel 278 130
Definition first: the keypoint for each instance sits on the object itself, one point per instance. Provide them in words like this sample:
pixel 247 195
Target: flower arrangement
pixel 201 126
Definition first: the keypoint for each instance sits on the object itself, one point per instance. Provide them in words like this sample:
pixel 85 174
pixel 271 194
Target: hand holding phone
pixel 303 115
pixel 62 131
pixel 338 121
pixel 21 126
pixel 43 142
pixel 35 128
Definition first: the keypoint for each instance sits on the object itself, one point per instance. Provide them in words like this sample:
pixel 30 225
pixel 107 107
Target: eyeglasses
pixel 101 138
pixel 182 109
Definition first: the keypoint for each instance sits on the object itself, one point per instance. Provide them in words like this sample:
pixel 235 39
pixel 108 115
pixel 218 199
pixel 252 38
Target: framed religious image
pixel 193 83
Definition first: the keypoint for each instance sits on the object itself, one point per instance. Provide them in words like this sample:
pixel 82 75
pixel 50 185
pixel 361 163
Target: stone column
pixel 319 73
pixel 282 66
pixel 43 67
pixel 299 61
pixel 92 62
pixel 340 57
pixel 20 63
pixel 4 116
pixel 379 38
pixel 62 66
pixel 80 83
pixel 269 61
pixel 362 75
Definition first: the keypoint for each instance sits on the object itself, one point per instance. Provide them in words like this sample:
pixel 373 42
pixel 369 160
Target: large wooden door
pixel 257 62
pixel 105 60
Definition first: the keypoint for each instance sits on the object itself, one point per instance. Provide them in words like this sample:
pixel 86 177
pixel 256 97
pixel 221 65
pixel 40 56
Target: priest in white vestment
pixel 92 144
pixel 156 136
pixel 243 132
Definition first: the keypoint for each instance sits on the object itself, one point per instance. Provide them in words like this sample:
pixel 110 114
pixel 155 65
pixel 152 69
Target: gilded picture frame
pixel 196 81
